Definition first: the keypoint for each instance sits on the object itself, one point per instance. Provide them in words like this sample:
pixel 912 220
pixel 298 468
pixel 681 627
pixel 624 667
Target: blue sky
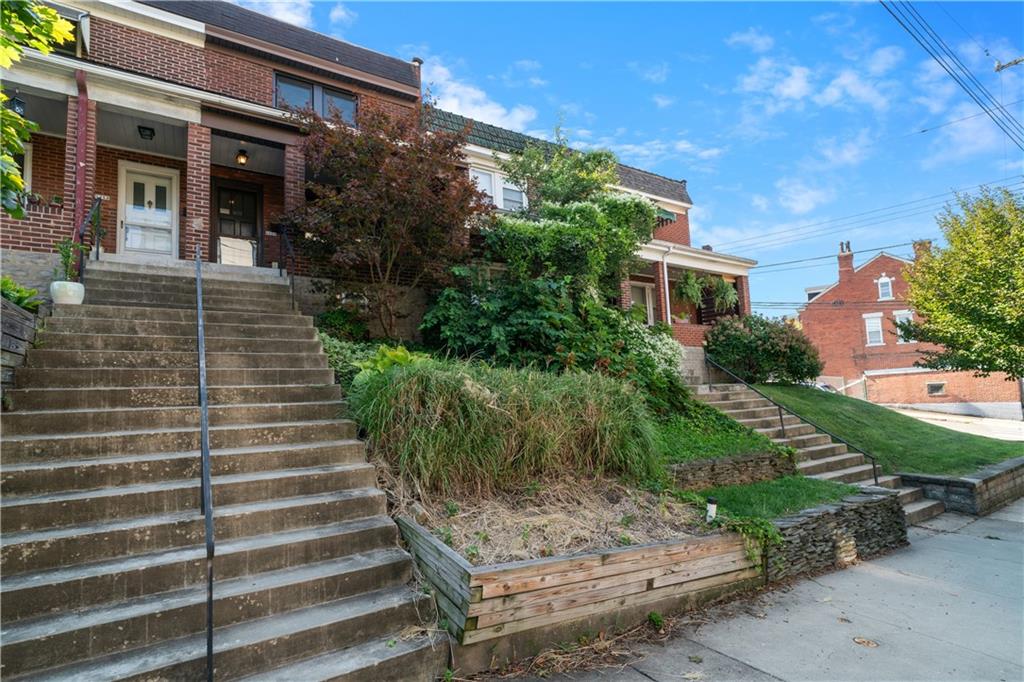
pixel 784 118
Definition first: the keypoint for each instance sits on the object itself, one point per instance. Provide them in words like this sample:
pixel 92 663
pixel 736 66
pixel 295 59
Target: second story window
pixel 484 182
pixel 899 317
pixel 884 288
pixel 873 329
pixel 512 198
pixel 295 93
pixel 503 195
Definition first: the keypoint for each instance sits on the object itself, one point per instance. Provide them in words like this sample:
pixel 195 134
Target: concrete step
pixel 804 441
pixel 97 325
pixel 769 421
pixel 769 412
pixel 38 448
pixel 181 285
pixel 886 481
pixel 922 510
pixel 830 463
pixel 124 312
pixel 816 452
pixel 907 494
pixel 164 396
pixel 39 377
pixel 58 639
pixel 745 404
pixel 128 342
pixel 861 473
pixel 114 297
pixel 90 474
pixel 80 586
pixel 394 659
pixel 233 275
pixel 68 508
pixel 254 646
pixel 44 549
pixel 792 430
pixel 155 359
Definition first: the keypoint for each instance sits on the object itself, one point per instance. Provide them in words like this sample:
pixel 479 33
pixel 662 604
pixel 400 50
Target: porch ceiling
pixel 119 129
pixel 50 113
pixel 262 158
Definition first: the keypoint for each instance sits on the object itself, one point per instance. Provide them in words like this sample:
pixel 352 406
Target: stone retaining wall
pixel 978 494
pixel 700 474
pixel 836 535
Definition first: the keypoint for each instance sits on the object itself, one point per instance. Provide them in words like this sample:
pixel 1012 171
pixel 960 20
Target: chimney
pixel 845 261
pixel 921 247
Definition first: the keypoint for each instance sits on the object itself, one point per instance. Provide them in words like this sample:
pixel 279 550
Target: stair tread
pixel 191 429
pixel 807 463
pixel 10 501
pixel 138 662
pixel 836 473
pixel 820 447
pixel 51 624
pixel 183 454
pixel 62 574
pixel 911 507
pixel 168 408
pixel 369 654
pixel 51 534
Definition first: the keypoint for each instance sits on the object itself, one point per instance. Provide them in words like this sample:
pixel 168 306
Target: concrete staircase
pixel 103 559
pixel 818 456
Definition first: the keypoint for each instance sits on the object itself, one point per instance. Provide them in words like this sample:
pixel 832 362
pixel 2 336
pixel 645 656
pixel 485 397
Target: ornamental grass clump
pixel 466 427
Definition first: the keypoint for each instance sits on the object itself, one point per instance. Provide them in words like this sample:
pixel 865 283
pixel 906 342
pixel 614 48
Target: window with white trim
pixel 899 317
pixel 884 288
pixel 24 161
pixel 643 296
pixel 512 198
pixel 873 329
pixel 504 195
pixel 935 388
pixel 484 182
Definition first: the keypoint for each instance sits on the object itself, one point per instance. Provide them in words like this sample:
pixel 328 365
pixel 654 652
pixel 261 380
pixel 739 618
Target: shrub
pixel 343 323
pixel 464 426
pixel 703 432
pixel 759 350
pixel 20 296
pixel 342 357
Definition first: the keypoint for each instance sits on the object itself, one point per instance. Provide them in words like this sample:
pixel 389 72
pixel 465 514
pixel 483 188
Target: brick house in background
pixel 173 112
pixel 853 324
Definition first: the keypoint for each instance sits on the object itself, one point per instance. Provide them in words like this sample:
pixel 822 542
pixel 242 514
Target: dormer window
pixel 298 94
pixel 884 288
pixel 503 195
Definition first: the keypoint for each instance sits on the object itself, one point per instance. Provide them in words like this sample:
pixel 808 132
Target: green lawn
pixel 772 499
pixel 900 443
pixel 706 433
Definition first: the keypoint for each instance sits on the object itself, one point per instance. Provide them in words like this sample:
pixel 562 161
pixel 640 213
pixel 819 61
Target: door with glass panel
pixel 238 226
pixel 149 212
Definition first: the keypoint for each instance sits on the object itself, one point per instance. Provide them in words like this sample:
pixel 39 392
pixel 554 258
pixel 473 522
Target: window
pixel 643 298
pixel 512 198
pixel 884 288
pixel 484 182
pixel 294 93
pixel 873 327
pixel 899 317
pixel 24 162
pixel 936 388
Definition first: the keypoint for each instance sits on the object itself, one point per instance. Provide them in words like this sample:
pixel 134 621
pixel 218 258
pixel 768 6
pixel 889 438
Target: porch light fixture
pixel 712 510
pixel 242 157
pixel 17 105
pixel 146 133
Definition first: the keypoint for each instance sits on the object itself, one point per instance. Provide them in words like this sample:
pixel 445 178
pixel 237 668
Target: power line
pixel 774 233
pixel 831 255
pixel 943 125
pixel 939 51
pixel 984 49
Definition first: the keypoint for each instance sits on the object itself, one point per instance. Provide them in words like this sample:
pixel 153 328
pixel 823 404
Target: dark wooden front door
pixel 237 215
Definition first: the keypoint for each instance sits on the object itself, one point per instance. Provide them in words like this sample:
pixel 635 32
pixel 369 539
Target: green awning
pixel 667 215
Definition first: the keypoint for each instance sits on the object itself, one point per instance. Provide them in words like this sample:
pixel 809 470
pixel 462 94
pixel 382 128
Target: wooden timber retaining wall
pixel 486 602
pixel 19 331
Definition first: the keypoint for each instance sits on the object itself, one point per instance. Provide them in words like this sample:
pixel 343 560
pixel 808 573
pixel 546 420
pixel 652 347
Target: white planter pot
pixel 67 293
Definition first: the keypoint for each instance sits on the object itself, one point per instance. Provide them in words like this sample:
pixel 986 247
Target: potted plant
pixel 690 288
pixel 63 290
pixel 724 294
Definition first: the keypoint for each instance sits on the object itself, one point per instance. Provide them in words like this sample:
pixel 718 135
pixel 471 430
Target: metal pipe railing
pixel 708 362
pixel 91 218
pixel 206 492
pixel 284 249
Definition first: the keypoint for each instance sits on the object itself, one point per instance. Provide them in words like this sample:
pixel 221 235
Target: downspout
pixel 664 275
pixel 80 150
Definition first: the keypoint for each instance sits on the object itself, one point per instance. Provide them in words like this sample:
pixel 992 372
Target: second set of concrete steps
pixel 818 456
pixel 103 557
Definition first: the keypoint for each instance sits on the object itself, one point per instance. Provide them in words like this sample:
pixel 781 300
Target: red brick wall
pixel 43 225
pixel 689 334
pixel 961 387
pixel 677 232
pixel 196 227
pixel 239 77
pixel 743 290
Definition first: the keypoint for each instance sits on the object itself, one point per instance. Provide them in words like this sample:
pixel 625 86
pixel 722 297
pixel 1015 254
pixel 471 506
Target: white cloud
pixel 753 38
pixel 298 12
pixel 847 86
pixel 760 202
pixel 536 82
pixel 883 60
pixel 798 197
pixel 838 153
pixel 663 101
pixel 342 17
pixel 527 65
pixel 469 100
pixel 936 87
pixel 784 81
pixel 523 72
pixel 655 73
pixel 972 137
pixel 650 153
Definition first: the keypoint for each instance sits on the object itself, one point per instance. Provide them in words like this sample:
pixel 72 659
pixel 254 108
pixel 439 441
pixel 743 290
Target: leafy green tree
pixel 969 296
pixel 23 23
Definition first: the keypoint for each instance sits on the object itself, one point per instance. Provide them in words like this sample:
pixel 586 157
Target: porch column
pixel 625 295
pixel 743 289
pixel 196 229
pixel 294 177
pixel 661 293
pixel 80 156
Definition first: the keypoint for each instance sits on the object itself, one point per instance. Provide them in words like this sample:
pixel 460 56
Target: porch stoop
pixel 103 556
pixel 818 456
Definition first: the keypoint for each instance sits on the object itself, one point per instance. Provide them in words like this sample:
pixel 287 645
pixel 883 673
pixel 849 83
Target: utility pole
pixel 1012 62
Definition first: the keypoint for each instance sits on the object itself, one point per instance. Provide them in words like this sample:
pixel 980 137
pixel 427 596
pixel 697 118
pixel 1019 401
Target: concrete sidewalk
pixel 949 607
pixel 1002 429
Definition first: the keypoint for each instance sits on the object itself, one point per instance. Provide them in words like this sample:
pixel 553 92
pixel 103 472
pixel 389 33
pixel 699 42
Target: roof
pixel 503 140
pixel 231 17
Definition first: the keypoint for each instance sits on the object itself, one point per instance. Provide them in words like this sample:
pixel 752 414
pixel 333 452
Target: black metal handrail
pixel 206 493
pixel 284 248
pixel 91 218
pixel 874 463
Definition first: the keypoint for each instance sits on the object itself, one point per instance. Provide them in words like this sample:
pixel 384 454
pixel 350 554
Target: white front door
pixel 149 210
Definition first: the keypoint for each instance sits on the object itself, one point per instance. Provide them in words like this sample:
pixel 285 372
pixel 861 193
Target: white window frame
pixel 505 184
pixel 899 316
pixel 498 184
pixel 940 384
pixel 648 299
pixel 474 172
pixel 26 167
pixel 869 319
pixel 888 282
